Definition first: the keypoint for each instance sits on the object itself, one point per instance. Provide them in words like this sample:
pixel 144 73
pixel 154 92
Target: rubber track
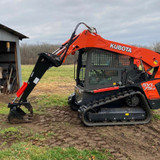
pixel 84 109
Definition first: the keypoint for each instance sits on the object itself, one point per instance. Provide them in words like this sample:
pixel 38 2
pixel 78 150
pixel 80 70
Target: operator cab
pixel 99 68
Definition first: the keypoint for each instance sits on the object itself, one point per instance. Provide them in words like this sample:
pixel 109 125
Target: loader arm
pixel 86 39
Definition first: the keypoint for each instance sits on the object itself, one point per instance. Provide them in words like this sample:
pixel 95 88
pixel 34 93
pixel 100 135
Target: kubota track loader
pixel 116 84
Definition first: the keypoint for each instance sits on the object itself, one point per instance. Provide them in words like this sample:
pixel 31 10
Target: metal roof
pixel 21 36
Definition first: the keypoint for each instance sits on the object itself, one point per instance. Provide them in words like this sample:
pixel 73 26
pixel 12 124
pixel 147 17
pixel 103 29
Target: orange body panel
pixel 150 89
pixel 86 39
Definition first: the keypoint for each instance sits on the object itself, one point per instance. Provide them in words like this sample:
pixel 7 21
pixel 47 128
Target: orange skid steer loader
pixel 116 84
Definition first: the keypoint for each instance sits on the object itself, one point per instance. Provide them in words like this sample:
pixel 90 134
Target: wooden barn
pixel 10 60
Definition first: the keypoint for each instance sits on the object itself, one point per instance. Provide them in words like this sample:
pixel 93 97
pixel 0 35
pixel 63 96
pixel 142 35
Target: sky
pixel 135 22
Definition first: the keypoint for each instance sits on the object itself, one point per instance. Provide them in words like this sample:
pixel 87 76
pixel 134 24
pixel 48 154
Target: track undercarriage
pixel 107 112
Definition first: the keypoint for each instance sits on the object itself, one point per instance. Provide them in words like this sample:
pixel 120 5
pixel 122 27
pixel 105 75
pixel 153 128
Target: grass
pixel 11 132
pixel 3 109
pixel 51 91
pixel 48 92
pixel 64 73
pixel 41 136
pixel 52 100
pixel 156 116
pixel 27 151
pixel 54 78
pixel 5 131
pixel 54 87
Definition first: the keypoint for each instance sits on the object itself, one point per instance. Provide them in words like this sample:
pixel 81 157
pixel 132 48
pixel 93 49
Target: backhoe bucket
pixel 17 115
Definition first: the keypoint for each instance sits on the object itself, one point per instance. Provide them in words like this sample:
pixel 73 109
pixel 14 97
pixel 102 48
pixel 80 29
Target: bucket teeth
pixel 27 119
pixel 15 120
pixel 17 115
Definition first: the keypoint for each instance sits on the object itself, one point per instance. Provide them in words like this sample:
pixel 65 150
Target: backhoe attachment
pixel 16 114
pixel 44 62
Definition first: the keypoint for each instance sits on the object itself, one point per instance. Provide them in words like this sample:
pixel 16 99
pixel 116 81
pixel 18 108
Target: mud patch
pixel 132 142
pixel 62 127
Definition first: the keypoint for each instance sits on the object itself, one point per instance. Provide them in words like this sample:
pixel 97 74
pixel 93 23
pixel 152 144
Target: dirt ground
pixel 65 129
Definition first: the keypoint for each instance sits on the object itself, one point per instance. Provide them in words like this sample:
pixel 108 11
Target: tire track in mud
pixel 150 133
pixel 132 142
pixel 151 139
pixel 124 142
pixel 131 146
pixel 71 132
pixel 115 141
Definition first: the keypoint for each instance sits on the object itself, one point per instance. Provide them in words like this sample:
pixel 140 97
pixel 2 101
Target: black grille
pixel 109 59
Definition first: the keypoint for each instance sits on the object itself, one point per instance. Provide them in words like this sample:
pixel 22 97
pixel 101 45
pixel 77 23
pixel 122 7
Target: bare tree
pixel 29 52
pixel 156 47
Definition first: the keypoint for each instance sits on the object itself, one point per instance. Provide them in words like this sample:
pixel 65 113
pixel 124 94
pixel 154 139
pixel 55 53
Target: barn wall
pixel 6 36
